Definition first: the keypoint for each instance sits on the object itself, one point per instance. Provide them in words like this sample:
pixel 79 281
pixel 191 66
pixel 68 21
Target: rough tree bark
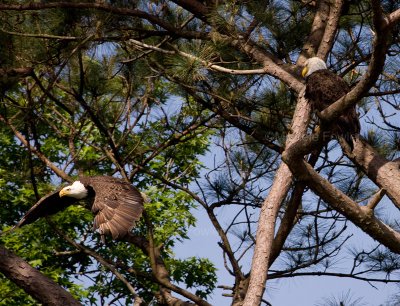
pixel 383 172
pixel 362 217
pixel 322 32
pixel 32 281
pixel 270 207
pixel 378 169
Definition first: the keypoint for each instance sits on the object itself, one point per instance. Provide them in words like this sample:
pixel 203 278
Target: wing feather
pixel 117 205
pixel 323 88
pixel 47 205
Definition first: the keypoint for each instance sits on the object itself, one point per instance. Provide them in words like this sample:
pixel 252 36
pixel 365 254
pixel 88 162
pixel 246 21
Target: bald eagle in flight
pixel 323 87
pixel 116 204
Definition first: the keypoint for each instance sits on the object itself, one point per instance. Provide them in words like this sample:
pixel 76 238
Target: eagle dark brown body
pixel 323 87
pixel 116 204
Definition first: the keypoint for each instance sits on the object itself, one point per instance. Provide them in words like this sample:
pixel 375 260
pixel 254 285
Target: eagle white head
pixel 311 65
pixel 77 190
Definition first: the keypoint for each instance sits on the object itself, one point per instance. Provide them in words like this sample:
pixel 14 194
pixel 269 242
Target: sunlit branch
pixel 394 18
pixel 311 45
pixel 363 218
pixel 207 65
pixel 374 201
pixel 270 208
pixel 380 45
pixel 327 40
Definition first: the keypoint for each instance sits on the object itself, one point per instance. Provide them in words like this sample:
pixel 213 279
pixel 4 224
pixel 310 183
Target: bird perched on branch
pixel 323 87
pixel 116 204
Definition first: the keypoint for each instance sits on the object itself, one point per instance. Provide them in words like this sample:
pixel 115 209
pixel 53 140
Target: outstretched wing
pixel 117 205
pixel 48 205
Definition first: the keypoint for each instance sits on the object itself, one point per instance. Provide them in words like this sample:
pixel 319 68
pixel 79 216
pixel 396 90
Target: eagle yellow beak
pixel 63 192
pixel 304 71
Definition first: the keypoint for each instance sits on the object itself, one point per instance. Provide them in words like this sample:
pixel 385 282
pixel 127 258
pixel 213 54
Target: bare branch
pixel 394 18
pixel 270 207
pixel 272 66
pixel 376 199
pixel 343 275
pixel 384 173
pixel 313 41
pixel 161 273
pixel 361 216
pixel 288 220
pixel 330 29
pixel 375 67
pixel 206 64
pixel 195 7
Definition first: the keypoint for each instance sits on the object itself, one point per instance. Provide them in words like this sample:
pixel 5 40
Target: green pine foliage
pixel 67 134
pixel 168 99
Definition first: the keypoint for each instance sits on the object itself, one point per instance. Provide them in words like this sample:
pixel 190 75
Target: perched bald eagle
pixel 323 87
pixel 116 204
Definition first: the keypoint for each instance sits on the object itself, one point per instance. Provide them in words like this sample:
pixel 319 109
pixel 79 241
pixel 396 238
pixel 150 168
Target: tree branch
pixel 161 272
pixel 270 207
pixel 101 260
pixel 343 275
pixel 35 151
pixel 288 221
pixel 39 286
pixel 394 18
pixel 272 66
pixel 101 7
pixel 375 67
pixel 195 7
pixel 318 26
pixel 383 172
pixel 335 9
pixel 374 201
pixel 220 107
pixel 361 216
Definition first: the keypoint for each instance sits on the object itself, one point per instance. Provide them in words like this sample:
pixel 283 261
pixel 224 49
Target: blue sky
pixel 299 291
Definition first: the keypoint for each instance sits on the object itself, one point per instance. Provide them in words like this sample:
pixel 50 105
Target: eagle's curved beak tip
pixel 304 72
